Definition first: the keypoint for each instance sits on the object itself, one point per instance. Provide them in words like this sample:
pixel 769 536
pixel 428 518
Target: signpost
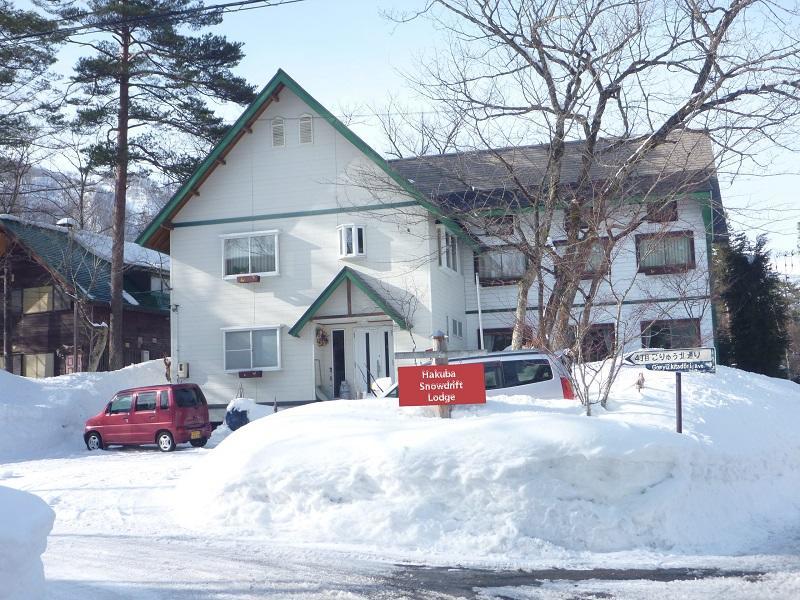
pixel 440 384
pixel 677 360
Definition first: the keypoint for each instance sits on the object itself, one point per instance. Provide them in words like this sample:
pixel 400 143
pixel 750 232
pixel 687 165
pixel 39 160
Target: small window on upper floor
pixel 37 299
pixel 447 248
pixel 352 241
pixel 278 132
pixel 306 129
pixel 662 211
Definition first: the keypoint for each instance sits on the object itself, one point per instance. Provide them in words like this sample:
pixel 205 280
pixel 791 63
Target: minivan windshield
pixel 187 397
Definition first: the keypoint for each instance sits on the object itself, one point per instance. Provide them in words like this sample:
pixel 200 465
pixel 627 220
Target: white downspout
pixel 480 313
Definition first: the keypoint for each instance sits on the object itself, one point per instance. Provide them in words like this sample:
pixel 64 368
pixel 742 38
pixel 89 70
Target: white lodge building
pixel 290 276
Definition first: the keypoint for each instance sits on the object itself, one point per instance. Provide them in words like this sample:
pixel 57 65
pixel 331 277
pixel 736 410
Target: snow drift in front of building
pixel 519 477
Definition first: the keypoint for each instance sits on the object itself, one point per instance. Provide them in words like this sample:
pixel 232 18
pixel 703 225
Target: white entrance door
pixel 373 349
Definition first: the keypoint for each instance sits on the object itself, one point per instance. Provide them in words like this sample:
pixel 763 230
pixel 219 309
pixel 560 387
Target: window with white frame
pixel 352 241
pixel 278 132
pixel 448 248
pixel 306 129
pixel 250 254
pixel 248 349
pixel 455 328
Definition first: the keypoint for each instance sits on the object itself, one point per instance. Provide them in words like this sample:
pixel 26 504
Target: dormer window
pixel 278 132
pixel 306 129
pixel 352 241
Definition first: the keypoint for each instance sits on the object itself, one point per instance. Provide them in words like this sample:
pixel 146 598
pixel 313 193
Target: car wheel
pixel 165 441
pixel 198 443
pixel 94 441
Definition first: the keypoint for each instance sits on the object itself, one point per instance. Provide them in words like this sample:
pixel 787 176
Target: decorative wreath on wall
pixel 322 337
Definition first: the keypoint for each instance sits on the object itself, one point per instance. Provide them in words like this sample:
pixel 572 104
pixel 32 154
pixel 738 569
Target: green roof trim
pixel 279 80
pixel 348 274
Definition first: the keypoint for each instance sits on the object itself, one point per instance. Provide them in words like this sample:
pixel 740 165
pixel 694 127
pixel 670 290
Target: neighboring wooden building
pixel 291 277
pixel 45 267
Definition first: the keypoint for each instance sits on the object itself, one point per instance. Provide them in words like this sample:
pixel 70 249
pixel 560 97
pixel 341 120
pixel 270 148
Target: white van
pixel 518 372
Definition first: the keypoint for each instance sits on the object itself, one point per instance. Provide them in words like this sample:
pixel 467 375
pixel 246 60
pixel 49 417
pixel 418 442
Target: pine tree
pixel 757 308
pixel 145 88
pixel 26 53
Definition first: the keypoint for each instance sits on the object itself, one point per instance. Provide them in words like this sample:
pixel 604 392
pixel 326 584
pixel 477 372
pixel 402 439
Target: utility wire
pixel 228 7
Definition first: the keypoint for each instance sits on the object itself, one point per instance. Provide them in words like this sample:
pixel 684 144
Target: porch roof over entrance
pixel 348 275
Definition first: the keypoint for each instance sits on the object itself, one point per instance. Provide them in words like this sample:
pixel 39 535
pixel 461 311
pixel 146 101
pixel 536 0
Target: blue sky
pixel 349 57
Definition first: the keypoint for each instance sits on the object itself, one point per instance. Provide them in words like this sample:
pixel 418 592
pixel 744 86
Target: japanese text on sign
pixel 679 359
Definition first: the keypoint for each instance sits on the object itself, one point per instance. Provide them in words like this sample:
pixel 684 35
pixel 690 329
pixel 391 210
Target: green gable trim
pixel 301 213
pixel 279 80
pixel 348 274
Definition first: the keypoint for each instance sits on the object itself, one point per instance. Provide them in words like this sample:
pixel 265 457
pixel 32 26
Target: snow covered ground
pixel 322 501
pixel 27 521
pixel 518 477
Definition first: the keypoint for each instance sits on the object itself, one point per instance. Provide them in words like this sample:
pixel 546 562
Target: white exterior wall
pixel 447 290
pixel 645 297
pixel 259 180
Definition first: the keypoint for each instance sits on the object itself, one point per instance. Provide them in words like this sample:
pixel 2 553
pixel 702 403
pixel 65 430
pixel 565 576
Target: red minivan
pixel 164 415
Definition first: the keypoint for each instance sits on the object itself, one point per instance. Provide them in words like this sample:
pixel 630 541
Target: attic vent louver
pixel 278 132
pixel 306 129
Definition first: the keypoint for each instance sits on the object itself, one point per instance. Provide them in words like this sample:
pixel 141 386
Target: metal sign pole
pixel 678 404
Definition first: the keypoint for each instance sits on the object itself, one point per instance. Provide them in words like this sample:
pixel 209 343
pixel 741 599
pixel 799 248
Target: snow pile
pixel 251 407
pixel 25 522
pixel 519 477
pixel 238 413
pixel 46 416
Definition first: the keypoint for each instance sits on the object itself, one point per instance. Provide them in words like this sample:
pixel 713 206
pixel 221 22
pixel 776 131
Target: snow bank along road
pixel 338 500
pixel 114 538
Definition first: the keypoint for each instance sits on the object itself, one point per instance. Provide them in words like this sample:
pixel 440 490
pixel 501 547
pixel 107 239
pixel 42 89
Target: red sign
pixel 434 385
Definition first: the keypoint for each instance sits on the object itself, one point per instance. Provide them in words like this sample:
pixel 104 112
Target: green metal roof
pixel 278 82
pixel 348 274
pixel 75 265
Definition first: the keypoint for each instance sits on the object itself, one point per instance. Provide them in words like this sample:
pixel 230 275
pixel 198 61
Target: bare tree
pixel 614 90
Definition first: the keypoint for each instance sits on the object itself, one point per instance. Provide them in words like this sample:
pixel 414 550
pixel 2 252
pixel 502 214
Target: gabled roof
pixel 686 154
pixel 80 261
pixel 156 235
pixel 357 279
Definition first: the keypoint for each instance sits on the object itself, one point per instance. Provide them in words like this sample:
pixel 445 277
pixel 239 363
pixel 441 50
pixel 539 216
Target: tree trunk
pixel 120 197
pixel 8 360
pixel 521 313
pixel 97 347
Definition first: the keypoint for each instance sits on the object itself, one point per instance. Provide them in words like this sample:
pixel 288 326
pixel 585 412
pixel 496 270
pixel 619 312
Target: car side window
pixel 146 401
pixel 164 402
pixel 492 376
pixel 523 372
pixel 120 404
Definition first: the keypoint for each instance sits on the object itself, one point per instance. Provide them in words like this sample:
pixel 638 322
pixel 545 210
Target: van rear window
pixel 523 372
pixel 188 397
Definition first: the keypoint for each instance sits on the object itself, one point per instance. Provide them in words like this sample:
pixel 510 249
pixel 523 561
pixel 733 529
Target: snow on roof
pixel 100 245
pixel 135 254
